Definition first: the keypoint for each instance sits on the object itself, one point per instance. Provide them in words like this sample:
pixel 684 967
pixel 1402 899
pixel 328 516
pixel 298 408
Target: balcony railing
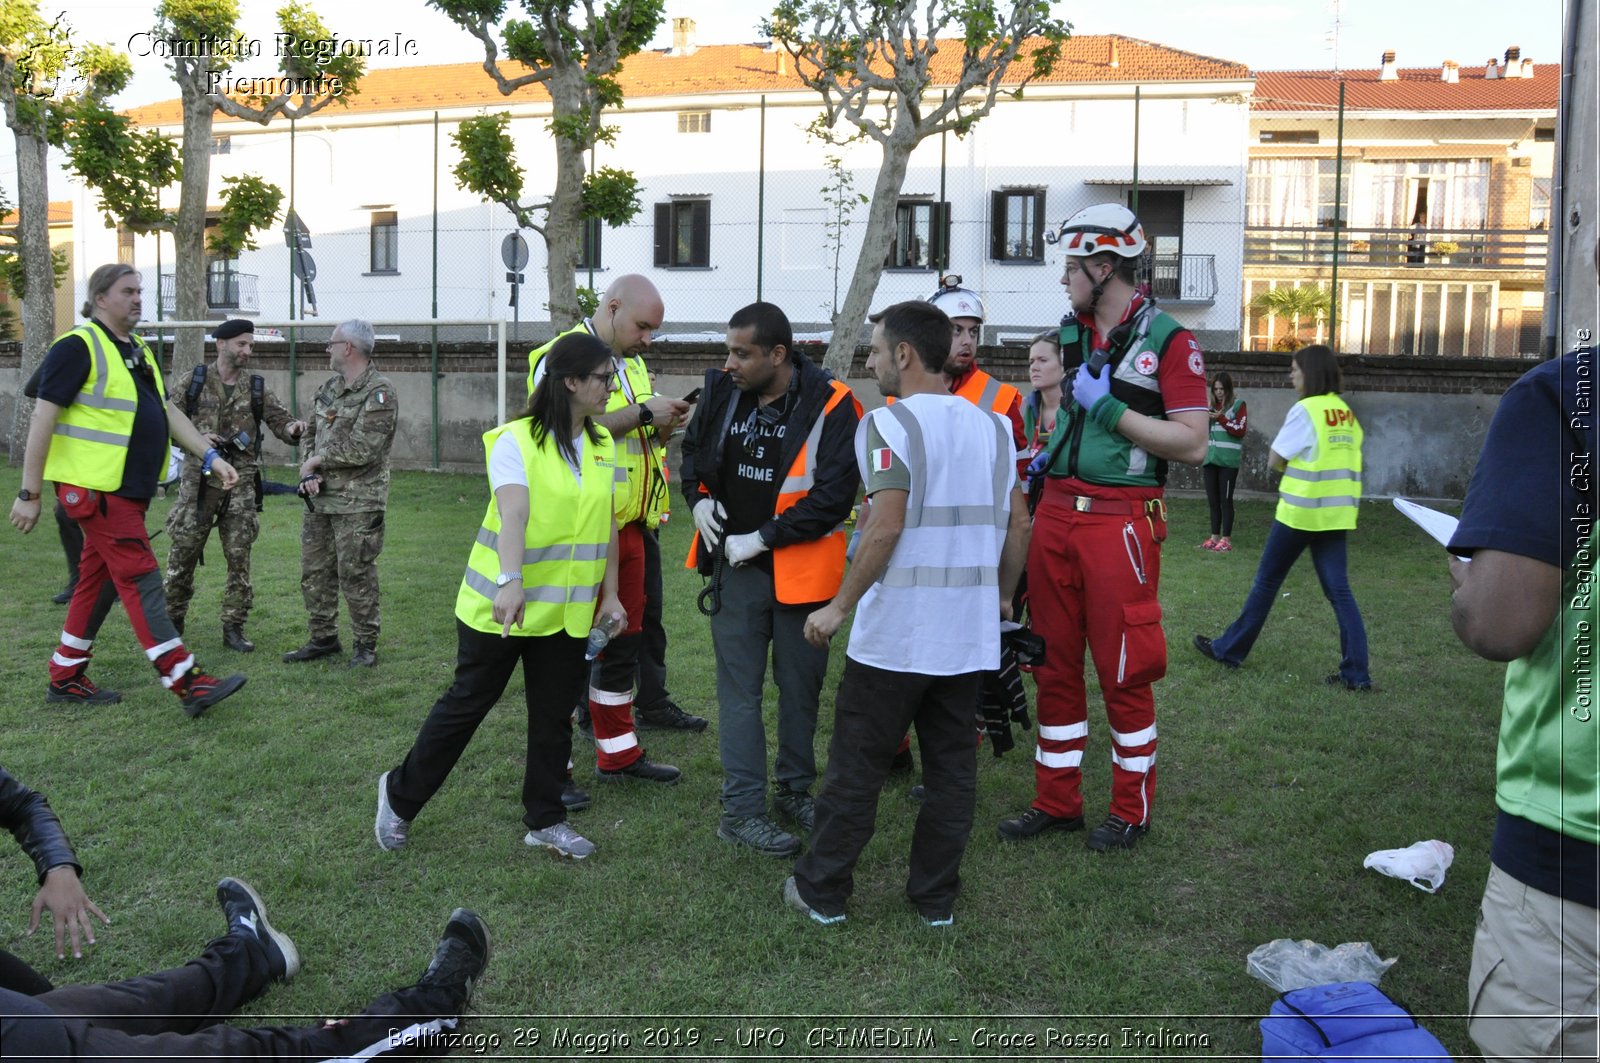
pixel 1503 249
pixel 1184 278
pixel 225 290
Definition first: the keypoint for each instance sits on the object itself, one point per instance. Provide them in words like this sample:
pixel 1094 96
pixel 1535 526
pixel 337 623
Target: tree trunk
pixel 563 231
pixel 189 234
pixel 874 247
pixel 38 278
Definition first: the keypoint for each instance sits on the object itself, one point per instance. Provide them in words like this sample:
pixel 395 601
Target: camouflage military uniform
pixel 351 428
pixel 232 513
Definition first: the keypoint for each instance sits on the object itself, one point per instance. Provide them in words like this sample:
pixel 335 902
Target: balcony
pixel 225 290
pixel 1454 249
pixel 1184 278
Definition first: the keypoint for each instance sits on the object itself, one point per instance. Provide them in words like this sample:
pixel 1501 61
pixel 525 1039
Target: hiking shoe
pixel 1337 680
pixel 1203 644
pixel 247 915
pixel 667 717
pixel 315 648
pixel 572 798
pixel 938 922
pixel 80 689
pixel 642 770
pixel 233 638
pixel 797 806
pixel 562 840
pixel 903 763
pixel 203 691
pixel 365 656
pixel 1034 822
pixel 791 897
pixel 387 826
pixel 758 833
pixel 462 954
pixel 1116 833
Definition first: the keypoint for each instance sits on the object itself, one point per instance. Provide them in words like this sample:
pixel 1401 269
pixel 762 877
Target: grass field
pixel 1272 790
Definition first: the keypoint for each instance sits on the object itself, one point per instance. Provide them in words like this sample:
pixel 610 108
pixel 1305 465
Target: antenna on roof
pixel 1335 20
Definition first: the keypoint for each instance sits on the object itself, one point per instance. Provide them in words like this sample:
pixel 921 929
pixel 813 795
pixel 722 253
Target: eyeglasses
pixel 604 378
pixel 335 343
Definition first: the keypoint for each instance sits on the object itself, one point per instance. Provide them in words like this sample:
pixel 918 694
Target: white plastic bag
pixel 1422 864
pixel 1284 964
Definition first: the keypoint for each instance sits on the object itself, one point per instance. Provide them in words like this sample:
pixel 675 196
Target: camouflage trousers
pixel 339 552
pixel 189 524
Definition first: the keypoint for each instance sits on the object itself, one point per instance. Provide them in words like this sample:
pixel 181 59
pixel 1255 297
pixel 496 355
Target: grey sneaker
pixel 797 807
pixel 562 840
pixel 387 827
pixel 758 833
pixel 791 897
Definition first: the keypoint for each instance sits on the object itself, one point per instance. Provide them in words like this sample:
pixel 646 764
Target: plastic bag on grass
pixel 1285 965
pixel 1422 864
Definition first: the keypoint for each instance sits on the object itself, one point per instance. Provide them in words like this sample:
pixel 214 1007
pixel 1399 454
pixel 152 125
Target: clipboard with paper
pixel 1439 526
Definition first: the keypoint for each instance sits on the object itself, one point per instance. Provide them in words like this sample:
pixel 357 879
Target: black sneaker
pixel 65 594
pixel 247 914
pixel 572 798
pixel 1203 644
pixel 314 649
pixel 584 721
pixel 80 689
pixel 203 691
pixel 1034 822
pixel 1337 680
pixel 642 770
pixel 759 833
pixel 1116 833
pixel 462 954
pixel 667 717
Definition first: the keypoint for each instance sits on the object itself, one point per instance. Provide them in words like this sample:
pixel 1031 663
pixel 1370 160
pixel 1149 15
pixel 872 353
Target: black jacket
pixel 837 480
pixel 26 814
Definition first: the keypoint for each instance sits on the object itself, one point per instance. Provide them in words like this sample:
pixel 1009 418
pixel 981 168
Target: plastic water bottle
pixel 605 628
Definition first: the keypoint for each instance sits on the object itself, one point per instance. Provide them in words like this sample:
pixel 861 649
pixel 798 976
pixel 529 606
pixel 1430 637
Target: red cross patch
pixel 1197 364
pixel 1146 363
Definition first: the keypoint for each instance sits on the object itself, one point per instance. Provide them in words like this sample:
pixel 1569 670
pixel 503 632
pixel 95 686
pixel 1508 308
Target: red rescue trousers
pixel 1092 579
pixel 116 549
pixel 611 683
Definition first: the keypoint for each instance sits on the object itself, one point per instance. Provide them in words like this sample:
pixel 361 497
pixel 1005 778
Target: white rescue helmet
pixel 1102 227
pixel 955 300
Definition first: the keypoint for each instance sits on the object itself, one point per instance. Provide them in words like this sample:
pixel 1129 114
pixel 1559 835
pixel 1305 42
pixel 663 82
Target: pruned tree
pixel 43 78
pixel 576 60
pixel 872 63
pixel 310 80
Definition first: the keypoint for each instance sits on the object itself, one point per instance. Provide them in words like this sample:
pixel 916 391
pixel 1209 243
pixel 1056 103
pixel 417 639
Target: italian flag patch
pixel 882 458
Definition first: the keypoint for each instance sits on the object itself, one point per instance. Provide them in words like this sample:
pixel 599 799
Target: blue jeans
pixel 1284 545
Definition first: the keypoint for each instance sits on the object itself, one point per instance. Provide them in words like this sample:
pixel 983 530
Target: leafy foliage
pixel 488 165
pixel 611 195
pixel 248 204
pixel 128 166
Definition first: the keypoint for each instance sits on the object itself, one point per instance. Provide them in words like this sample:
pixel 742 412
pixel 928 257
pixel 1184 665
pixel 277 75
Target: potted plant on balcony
pixel 1301 307
pixel 1360 250
pixel 1444 249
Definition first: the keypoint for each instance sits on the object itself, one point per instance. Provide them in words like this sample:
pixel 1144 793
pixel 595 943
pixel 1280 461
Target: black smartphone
pixel 692 397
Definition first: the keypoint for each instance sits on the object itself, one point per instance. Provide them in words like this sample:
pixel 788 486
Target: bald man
pixel 641 422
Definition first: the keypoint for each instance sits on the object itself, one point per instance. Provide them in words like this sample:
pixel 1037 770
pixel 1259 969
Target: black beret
pixel 236 326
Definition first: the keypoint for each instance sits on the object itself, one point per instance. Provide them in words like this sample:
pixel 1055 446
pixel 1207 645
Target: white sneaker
pixel 562 840
pixel 387 827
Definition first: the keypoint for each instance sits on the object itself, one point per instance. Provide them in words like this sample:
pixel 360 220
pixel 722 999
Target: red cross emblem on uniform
pixel 1146 363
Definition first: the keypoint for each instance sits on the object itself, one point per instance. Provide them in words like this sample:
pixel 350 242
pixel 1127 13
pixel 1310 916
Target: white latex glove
pixel 742 548
pixel 1088 390
pixel 709 517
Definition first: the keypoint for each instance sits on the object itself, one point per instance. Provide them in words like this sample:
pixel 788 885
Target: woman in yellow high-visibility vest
pixel 541 573
pixel 1318 450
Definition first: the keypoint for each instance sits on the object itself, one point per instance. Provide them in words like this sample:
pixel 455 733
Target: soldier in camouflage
pixel 221 403
pixel 345 480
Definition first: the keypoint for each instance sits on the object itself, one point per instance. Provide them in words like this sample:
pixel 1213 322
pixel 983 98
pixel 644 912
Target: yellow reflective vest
pixel 1324 494
pixel 640 453
pixel 564 551
pixel 90 444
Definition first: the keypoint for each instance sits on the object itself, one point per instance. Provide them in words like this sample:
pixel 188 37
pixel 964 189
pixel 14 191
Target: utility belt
pixel 1154 510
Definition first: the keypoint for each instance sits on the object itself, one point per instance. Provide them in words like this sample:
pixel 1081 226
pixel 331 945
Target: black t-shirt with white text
pixel 750 473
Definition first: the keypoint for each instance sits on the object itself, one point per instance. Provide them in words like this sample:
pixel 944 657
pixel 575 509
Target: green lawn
pixel 1272 790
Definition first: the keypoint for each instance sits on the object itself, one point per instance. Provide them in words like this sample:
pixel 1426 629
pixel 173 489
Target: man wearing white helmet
pixel 1138 401
pixel 965 311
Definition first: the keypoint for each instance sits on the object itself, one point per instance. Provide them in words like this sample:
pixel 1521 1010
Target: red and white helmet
pixel 1102 227
pixel 955 300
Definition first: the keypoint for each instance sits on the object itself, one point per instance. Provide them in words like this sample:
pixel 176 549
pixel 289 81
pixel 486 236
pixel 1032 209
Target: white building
pixel 733 192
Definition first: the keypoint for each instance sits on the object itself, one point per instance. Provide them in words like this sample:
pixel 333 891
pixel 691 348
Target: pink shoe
pixel 1223 546
pixel 1209 544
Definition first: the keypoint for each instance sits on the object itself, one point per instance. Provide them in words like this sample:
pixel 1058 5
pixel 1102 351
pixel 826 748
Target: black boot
pixel 314 649
pixel 233 638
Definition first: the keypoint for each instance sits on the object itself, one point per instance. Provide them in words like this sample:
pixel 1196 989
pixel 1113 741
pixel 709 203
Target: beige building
pixel 1442 204
pixel 61 239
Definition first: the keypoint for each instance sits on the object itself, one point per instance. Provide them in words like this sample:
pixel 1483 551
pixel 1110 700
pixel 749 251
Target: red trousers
pixel 1092 581
pixel 116 551
pixel 611 684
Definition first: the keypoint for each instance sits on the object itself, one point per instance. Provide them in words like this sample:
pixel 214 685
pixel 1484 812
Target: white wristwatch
pixel 506 577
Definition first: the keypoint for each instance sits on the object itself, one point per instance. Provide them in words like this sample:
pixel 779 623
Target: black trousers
pixel 179 1013
pixel 1219 496
pixel 873 709
pixel 71 542
pixel 553 671
pixel 652 693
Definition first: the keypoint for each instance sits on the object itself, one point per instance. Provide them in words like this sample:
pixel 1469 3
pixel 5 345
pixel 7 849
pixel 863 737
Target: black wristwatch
pixel 26 495
pixel 646 418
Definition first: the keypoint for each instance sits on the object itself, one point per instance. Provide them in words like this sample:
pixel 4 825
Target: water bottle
pixel 605 628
